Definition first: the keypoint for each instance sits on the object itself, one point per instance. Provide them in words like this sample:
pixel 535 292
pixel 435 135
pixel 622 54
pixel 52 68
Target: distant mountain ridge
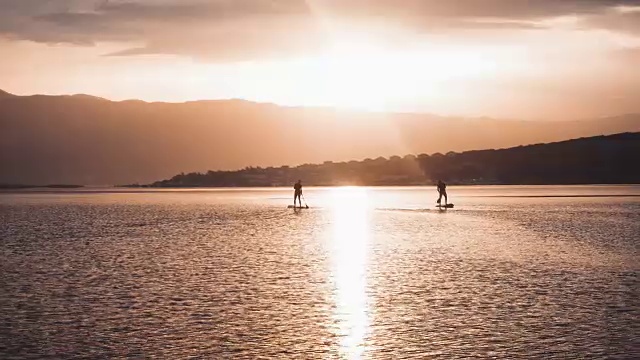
pixel 87 140
pixel 5 94
pixel 609 159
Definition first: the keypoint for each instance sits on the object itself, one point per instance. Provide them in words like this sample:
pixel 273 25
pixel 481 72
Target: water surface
pixel 380 273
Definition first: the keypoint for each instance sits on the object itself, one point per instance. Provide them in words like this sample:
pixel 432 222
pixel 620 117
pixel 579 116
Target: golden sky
pixel 501 58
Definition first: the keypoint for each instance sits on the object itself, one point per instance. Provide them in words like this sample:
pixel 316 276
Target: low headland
pixel 611 159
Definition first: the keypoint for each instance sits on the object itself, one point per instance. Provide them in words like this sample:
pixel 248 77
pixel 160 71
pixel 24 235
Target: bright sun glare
pixel 353 74
pixel 349 243
pixel 366 77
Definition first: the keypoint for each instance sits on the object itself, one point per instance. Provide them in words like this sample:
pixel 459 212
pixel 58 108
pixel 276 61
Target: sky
pixel 501 58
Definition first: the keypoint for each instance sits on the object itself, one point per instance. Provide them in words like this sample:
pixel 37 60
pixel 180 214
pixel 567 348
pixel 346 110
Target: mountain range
pixel 81 139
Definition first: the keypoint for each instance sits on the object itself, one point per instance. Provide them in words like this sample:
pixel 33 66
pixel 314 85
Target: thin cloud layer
pixel 230 30
pixel 618 20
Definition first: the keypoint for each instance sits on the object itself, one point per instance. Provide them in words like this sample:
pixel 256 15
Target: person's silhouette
pixel 442 191
pixel 297 194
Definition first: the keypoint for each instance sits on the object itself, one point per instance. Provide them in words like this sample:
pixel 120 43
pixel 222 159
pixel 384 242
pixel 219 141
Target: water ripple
pixel 190 276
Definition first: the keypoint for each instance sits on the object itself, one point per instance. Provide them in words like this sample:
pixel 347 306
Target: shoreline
pixel 52 186
pixel 362 185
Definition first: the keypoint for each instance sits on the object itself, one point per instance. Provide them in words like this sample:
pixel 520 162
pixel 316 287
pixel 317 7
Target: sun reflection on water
pixel 349 242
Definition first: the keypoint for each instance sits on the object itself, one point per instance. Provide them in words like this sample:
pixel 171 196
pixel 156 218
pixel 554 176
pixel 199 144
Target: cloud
pixel 235 41
pixel 229 30
pixel 623 21
pixel 509 9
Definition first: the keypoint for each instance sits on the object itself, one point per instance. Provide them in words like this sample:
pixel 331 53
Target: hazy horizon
pixel 333 108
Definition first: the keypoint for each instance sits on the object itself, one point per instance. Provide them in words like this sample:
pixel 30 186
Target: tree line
pixel 609 159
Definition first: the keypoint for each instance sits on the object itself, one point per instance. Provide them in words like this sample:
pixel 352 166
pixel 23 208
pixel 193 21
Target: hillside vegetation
pixel 610 159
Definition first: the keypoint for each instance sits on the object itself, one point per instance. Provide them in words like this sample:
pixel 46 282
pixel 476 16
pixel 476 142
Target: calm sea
pixel 511 272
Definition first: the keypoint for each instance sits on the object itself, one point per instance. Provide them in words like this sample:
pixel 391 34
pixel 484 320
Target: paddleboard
pixel 448 206
pixel 296 207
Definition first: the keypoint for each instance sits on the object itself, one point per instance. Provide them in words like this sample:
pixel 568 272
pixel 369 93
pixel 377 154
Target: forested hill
pixel 609 159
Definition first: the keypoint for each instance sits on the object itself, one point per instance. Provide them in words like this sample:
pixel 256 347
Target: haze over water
pixel 510 272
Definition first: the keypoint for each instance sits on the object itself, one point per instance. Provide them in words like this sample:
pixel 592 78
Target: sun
pixel 355 75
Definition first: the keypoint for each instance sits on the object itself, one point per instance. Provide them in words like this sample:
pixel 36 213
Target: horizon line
pixel 314 107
